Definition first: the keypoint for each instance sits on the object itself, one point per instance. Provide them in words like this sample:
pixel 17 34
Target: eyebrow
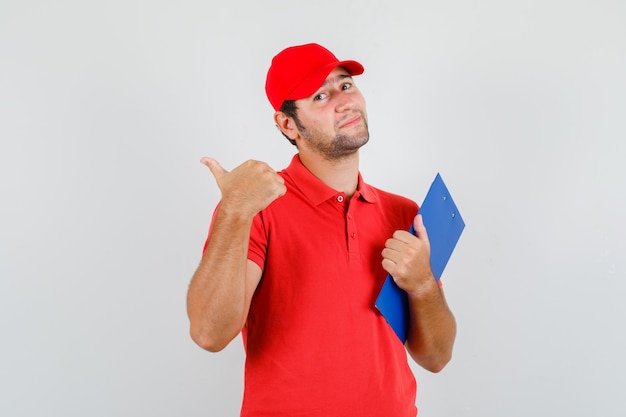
pixel 335 79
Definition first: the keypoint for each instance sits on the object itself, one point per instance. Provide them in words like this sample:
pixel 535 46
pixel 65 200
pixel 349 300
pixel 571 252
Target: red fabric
pixel 315 344
pixel 298 71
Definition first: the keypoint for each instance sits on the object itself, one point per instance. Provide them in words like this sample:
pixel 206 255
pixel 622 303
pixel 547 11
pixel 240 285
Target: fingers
pixel 247 188
pixel 407 257
pixel 404 244
pixel 216 169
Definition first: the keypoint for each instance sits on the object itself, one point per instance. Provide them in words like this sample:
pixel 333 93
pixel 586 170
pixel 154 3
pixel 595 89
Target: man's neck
pixel 340 174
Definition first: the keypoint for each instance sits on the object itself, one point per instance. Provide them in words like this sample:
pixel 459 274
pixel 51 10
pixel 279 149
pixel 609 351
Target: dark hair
pixel 290 109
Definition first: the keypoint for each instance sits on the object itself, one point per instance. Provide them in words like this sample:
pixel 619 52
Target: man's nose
pixel 344 103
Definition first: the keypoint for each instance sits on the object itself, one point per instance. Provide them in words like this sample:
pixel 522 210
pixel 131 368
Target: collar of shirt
pixel 316 190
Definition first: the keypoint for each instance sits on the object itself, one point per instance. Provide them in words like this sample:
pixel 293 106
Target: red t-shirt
pixel 315 343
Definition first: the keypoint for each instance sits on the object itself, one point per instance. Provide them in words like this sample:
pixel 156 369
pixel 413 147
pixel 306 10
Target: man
pixel 295 260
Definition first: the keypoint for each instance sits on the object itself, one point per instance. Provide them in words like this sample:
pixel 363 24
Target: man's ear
pixel 286 125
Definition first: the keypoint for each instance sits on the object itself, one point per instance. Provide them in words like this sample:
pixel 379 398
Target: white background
pixel 107 107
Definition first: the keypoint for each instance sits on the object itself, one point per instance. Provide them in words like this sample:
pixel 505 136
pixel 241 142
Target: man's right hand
pixel 247 189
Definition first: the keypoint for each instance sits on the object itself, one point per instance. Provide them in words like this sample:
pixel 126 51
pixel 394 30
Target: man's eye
pixel 320 96
pixel 345 86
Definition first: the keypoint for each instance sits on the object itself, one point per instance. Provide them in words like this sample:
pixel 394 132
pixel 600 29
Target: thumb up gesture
pixel 247 189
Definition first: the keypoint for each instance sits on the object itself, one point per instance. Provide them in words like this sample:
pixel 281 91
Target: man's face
pixel 333 121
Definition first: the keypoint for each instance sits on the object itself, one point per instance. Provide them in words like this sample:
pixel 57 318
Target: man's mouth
pixel 351 121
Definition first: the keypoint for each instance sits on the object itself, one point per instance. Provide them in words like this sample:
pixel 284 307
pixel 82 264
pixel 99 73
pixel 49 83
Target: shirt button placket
pixel 352 236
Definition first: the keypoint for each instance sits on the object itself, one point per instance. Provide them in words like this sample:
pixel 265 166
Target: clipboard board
pixel 444 225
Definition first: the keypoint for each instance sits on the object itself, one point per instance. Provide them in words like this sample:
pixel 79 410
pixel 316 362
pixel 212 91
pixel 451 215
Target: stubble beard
pixel 341 145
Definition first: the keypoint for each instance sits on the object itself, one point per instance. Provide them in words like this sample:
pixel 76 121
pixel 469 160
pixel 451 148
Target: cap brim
pixel 314 81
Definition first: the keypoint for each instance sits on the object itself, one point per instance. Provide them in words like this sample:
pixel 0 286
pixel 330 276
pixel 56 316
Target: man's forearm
pixel 216 300
pixel 432 329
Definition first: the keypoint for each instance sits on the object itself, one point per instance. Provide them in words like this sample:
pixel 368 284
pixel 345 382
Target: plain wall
pixel 107 107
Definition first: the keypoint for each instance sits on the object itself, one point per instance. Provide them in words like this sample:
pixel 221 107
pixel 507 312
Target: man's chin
pixel 348 146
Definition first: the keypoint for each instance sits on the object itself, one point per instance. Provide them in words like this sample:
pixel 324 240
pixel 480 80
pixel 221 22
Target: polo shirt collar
pixel 316 190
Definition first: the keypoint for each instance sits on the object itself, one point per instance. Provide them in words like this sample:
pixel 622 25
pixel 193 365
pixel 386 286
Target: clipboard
pixel 444 225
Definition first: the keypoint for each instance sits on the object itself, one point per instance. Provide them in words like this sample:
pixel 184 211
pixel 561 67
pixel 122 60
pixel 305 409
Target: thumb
pixel 418 226
pixel 216 169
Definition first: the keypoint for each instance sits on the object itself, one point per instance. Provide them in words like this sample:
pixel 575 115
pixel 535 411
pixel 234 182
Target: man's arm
pixel 221 289
pixel 432 327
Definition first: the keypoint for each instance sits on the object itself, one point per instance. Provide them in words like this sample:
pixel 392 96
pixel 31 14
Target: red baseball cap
pixel 298 71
